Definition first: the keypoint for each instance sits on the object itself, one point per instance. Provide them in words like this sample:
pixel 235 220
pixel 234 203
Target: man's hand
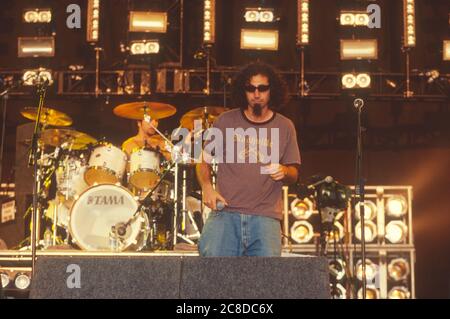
pixel 211 196
pixel 279 172
pixel 285 173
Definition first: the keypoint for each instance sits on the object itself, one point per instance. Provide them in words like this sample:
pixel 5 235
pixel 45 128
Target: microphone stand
pixel 32 160
pixel 359 189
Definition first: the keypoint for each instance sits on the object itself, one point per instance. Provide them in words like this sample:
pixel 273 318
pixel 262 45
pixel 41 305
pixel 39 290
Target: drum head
pixel 144 179
pixel 97 210
pixel 95 175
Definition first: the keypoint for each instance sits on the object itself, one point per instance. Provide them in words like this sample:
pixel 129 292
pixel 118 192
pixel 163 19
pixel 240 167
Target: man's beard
pixel 257 109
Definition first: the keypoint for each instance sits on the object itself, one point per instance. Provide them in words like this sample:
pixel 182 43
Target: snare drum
pixel 144 168
pixel 100 208
pixel 107 164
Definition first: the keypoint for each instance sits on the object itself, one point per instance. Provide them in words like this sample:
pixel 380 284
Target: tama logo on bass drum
pixel 105 200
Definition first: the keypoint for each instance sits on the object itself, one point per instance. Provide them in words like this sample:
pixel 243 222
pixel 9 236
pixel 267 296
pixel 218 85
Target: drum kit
pixel 108 200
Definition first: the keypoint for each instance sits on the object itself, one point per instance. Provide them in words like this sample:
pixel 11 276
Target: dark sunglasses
pixel 261 88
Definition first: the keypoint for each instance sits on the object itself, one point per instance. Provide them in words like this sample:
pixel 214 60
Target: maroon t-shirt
pixel 250 146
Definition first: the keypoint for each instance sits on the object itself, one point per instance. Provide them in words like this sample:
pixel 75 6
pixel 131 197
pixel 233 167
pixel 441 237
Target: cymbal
pixel 207 114
pixel 137 110
pixel 76 140
pixel 48 116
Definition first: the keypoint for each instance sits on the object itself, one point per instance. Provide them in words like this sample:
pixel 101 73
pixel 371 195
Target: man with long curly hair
pixel 247 201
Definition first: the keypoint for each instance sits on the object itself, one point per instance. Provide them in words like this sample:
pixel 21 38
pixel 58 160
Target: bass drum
pixel 100 209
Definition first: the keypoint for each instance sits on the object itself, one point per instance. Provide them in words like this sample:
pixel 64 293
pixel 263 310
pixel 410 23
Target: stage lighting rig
pixel 37 15
pixel 359 49
pixel 259 39
pixel 147 21
pixel 35 47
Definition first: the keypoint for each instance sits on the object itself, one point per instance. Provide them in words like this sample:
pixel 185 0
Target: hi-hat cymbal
pixel 75 140
pixel 207 114
pixel 48 116
pixel 137 110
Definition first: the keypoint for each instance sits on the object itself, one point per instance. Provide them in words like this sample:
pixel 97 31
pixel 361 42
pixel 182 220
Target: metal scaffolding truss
pixel 317 85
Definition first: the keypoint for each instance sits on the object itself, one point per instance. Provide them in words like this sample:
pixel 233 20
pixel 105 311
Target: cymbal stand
pixel 176 233
pixel 186 214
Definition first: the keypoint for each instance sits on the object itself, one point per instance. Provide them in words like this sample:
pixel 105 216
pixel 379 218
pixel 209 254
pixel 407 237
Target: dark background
pixel 423 164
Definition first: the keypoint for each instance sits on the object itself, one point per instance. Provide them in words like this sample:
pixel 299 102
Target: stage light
pixel 302 22
pixel 396 206
pixel 399 293
pixel 22 281
pixel 37 16
pixel 362 19
pixel 355 81
pixel 371 270
pixel 301 208
pixel 409 24
pixel 370 210
pixel 37 76
pixel 144 47
pixel 209 22
pixel 370 231
pixel 363 80
pixel 259 39
pixel 446 50
pixel 93 21
pixel 251 15
pixel 398 269
pixel 347 19
pixel 371 293
pixel 36 47
pixel 337 268
pixel 266 15
pixel 259 15
pixel 354 18
pixel 145 21
pixel 396 231
pixel 5 279
pixel 348 81
pixel 359 49
pixel 302 232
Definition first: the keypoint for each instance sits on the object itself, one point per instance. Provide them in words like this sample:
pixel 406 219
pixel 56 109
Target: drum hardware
pixel 177 156
pixel 120 229
pixel 186 215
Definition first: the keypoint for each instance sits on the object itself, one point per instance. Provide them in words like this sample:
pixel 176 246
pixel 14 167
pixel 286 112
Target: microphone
pixel 358 103
pixel 327 179
pixel 220 205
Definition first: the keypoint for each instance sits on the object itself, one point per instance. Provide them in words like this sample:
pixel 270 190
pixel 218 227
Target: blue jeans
pixel 233 234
